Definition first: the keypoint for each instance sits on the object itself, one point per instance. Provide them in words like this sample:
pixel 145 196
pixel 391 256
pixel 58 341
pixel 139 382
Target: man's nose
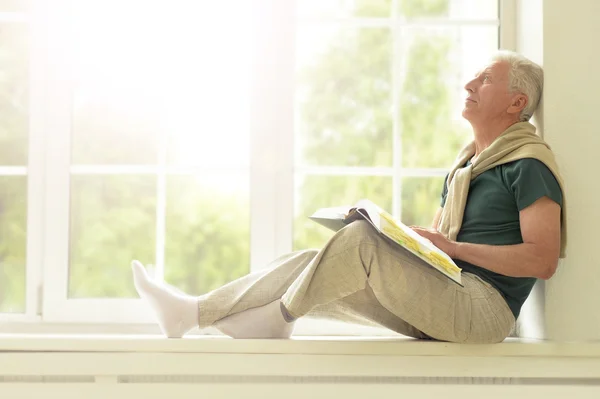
pixel 471 86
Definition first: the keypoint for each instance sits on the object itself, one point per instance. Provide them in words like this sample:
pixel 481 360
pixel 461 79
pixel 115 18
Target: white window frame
pixel 35 180
pixel 272 167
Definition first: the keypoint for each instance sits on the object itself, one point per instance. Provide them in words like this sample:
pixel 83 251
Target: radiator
pixel 234 369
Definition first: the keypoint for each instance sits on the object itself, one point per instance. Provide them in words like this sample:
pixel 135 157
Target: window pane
pixel 13 241
pixel 314 192
pixel 421 198
pixel 207 230
pixel 177 89
pixel 112 223
pixel 207 114
pixel 14 5
pixel 14 86
pixel 478 9
pixel 344 8
pixel 439 61
pixel 117 104
pixel 111 130
pixel 343 97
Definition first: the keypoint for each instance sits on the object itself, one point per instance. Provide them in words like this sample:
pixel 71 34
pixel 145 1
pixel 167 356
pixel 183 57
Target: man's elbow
pixel 547 269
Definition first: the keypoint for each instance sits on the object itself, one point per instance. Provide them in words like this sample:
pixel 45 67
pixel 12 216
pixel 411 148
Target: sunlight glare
pixel 187 60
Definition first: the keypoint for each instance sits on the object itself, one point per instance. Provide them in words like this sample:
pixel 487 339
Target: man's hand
pixel 438 239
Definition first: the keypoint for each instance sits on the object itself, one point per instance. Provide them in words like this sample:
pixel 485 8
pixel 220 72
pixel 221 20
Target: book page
pixel 338 212
pixel 331 218
pixel 417 244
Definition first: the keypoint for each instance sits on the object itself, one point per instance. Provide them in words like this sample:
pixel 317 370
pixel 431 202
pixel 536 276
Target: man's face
pixel 488 95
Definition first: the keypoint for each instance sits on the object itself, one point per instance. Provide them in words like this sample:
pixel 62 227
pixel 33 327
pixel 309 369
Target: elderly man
pixel 502 219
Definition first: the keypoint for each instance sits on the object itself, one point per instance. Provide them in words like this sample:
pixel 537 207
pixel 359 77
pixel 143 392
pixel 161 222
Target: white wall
pixel 571 59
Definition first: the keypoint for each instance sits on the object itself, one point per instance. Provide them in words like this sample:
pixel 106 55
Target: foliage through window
pixel 385 96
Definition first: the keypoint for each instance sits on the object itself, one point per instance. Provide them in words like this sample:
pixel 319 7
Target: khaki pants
pixel 361 277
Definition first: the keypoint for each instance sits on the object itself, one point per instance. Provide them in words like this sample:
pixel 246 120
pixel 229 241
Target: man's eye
pixel 486 78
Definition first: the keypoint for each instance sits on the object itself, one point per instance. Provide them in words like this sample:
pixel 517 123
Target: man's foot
pixel 263 322
pixel 176 313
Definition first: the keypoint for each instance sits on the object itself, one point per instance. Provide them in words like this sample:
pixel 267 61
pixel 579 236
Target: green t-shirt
pixel 492 217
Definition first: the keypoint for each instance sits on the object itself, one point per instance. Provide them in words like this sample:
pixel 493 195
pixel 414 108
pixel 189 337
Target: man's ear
pixel 519 102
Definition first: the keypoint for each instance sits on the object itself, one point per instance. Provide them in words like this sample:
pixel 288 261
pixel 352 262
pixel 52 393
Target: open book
pixel 336 218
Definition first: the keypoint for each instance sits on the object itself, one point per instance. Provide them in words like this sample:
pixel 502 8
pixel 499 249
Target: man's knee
pixel 359 228
pixel 359 232
pixel 311 252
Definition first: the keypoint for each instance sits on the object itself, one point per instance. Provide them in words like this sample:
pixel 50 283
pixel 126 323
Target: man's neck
pixel 486 133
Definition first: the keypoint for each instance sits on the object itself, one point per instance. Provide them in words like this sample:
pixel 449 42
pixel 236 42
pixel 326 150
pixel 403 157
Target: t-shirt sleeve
pixel 529 180
pixel 444 191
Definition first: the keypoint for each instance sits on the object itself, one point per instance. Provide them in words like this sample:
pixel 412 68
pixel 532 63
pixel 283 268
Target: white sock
pixel 176 313
pixel 169 287
pixel 237 326
pixel 263 322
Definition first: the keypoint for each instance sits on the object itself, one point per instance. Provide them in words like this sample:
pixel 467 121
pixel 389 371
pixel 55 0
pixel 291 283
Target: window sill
pixel 304 327
pixel 301 345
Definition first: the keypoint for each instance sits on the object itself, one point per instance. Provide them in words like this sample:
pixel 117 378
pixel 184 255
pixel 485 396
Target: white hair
pixel 525 76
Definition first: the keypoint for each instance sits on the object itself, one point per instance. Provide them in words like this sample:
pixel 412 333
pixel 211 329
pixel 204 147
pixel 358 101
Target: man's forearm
pixel 520 260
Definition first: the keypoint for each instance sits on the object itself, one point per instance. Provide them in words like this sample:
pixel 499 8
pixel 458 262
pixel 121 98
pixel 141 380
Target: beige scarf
pixel 517 142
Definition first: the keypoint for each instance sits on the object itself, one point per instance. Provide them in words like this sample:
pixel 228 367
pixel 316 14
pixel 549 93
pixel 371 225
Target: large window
pixel 197 136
